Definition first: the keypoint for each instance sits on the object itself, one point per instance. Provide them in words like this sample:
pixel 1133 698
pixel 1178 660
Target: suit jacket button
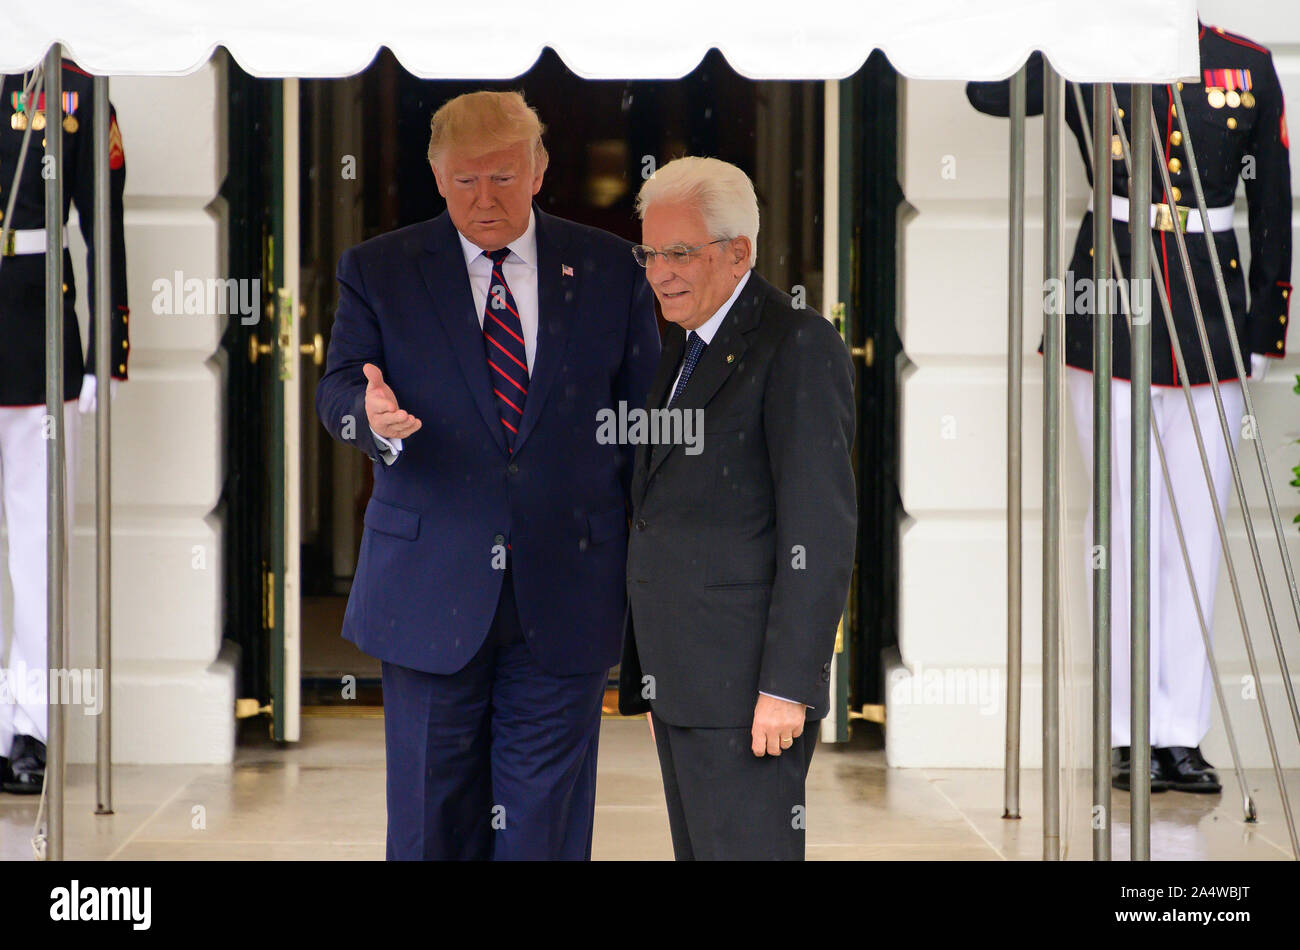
pixel 640 524
pixel 512 468
pixel 826 667
pixel 499 539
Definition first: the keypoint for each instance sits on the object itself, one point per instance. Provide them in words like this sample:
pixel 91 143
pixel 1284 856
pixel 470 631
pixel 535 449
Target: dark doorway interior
pixel 603 137
pixel 364 172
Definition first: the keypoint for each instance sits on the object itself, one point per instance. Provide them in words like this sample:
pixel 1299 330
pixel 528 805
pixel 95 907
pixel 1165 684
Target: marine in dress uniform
pixel 22 378
pixel 1237 121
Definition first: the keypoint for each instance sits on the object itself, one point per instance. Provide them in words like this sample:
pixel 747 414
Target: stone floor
pixel 324 799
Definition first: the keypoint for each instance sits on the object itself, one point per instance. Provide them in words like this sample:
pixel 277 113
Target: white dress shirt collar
pixel 709 328
pixel 523 247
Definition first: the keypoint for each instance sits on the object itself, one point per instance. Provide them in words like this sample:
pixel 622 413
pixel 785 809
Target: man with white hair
pixel 468 359
pixel 741 552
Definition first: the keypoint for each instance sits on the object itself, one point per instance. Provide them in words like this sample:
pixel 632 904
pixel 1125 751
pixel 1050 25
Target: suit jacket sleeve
pixel 83 197
pixel 640 359
pixel 1268 197
pixel 354 341
pixel 808 420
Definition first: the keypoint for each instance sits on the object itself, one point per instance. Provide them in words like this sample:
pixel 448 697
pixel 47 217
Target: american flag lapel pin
pixel 566 270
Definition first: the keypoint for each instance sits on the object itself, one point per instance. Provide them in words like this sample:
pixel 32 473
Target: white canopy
pixel 1087 40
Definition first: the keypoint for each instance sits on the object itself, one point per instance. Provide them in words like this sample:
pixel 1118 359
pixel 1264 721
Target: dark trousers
pixel 724 802
pixel 494 762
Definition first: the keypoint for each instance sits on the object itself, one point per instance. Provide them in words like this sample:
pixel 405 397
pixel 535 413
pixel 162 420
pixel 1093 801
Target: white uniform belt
pixel 1161 216
pixel 31 241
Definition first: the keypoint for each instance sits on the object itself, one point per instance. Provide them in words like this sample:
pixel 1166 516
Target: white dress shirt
pixel 520 269
pixel 707 330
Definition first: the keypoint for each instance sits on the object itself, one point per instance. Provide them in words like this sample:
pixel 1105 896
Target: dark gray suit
pixel 738 568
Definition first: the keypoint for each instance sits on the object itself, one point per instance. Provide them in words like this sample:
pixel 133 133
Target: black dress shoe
pixel 1186 770
pixel 1121 770
pixel 26 773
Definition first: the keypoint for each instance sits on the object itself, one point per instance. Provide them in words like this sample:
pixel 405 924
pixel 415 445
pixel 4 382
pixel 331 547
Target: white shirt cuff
pixel 388 448
pixel 782 698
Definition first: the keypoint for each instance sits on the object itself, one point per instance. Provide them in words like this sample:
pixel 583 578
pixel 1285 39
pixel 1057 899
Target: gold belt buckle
pixel 1165 217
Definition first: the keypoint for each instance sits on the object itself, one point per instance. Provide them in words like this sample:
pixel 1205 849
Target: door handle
pixel 315 349
pixel 256 349
pixel 866 352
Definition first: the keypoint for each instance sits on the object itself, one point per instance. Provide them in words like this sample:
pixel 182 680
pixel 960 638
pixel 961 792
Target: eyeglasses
pixel 677 254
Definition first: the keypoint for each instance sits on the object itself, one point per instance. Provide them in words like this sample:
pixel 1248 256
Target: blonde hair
pixel 484 122
pixel 720 191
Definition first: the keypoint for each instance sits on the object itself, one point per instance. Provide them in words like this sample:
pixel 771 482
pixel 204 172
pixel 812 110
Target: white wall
pixel 174 687
pixel 952 321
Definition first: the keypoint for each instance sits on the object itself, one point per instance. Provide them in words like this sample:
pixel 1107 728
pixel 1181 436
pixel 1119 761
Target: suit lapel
pixel 674 342
pixel 557 307
pixel 443 267
pixel 720 358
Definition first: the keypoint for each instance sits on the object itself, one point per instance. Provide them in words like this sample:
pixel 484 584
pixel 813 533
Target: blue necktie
pixel 694 350
pixel 503 341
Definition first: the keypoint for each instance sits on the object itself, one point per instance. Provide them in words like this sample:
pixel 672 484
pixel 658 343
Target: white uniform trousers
pixel 1180 671
pixel 22 487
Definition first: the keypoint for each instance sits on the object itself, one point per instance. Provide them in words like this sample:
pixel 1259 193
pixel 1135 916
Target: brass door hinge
pixel 268 599
pixel 248 708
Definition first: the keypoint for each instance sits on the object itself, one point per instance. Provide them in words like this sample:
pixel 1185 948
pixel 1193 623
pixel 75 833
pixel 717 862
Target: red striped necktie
pixel 503 342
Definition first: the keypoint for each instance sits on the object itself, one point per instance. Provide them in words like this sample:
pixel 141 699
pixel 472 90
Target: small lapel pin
pixel 566 270
pixel 731 357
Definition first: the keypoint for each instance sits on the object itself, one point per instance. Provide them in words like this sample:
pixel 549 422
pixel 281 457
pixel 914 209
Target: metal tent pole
pixel 103 493
pixel 55 511
pixel 1101 487
pixel 1140 485
pixel 1053 346
pixel 1015 407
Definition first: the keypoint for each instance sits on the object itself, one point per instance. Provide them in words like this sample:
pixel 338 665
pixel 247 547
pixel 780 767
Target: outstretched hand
pixel 385 415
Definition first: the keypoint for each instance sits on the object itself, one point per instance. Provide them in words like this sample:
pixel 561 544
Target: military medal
pixel 38 120
pixel 1116 147
pixel 18 120
pixel 70 123
pixel 1230 87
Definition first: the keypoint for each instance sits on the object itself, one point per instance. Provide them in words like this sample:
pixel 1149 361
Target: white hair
pixel 721 192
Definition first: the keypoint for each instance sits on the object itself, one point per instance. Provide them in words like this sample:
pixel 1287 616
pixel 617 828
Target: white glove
pixel 1258 366
pixel 86 401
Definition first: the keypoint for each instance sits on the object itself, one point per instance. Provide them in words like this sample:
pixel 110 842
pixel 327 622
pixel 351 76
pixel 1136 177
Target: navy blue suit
pixel 475 655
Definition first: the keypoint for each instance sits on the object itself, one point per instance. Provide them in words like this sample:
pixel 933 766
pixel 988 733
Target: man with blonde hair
pixel 469 357
pixel 741 553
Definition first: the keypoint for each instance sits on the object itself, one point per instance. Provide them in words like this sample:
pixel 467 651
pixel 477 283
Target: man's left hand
pixel 777 723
